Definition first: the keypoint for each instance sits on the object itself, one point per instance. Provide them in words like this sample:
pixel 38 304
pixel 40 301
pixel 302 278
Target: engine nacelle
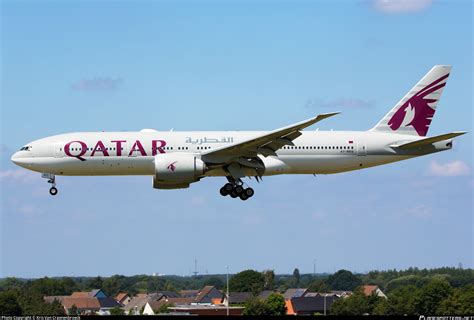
pixel 177 170
pixel 273 165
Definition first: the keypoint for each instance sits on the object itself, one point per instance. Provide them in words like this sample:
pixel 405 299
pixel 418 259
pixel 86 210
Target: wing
pixel 265 144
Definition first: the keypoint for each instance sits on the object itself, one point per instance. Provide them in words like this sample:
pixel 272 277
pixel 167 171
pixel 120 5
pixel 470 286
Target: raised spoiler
pixel 427 141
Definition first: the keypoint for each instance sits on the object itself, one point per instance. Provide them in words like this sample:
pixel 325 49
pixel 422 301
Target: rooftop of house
pixel 92 293
pixel 169 294
pixel 81 302
pixel 312 304
pixel 201 306
pixel 157 304
pixel 368 289
pixel 320 294
pixel 238 297
pixel 341 292
pixel 295 293
pixel 80 294
pixel 265 294
pixel 139 301
pixel 189 293
pixel 121 296
pixel 108 302
pixel 204 292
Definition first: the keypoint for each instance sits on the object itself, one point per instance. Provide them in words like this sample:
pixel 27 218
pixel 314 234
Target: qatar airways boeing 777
pixel 177 159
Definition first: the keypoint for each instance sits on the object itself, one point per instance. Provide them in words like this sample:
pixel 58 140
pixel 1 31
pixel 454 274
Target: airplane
pixel 177 159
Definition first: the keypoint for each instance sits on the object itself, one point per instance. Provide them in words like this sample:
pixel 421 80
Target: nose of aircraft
pixel 15 158
pixel 19 161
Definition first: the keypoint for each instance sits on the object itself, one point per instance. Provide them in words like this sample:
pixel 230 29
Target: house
pixel 265 294
pixel 137 304
pixel 152 307
pixel 294 293
pixel 82 305
pixel 106 304
pixel 312 294
pixel 95 293
pixel 236 298
pixel 169 294
pixel 85 302
pixel 338 294
pixel 122 298
pixel 342 293
pixel 189 293
pixel 206 310
pixel 310 305
pixel 373 289
pixel 207 294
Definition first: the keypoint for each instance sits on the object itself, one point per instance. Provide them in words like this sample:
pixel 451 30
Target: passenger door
pixel 58 150
pixel 361 148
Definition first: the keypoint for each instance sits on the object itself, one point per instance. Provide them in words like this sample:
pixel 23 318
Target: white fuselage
pixel 133 153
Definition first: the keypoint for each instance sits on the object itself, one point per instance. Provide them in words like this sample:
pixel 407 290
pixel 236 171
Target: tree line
pixel 410 291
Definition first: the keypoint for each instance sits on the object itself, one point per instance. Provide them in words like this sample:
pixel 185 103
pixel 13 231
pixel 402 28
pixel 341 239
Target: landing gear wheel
pixel 233 194
pixel 243 196
pixel 51 179
pixel 228 187
pixel 53 191
pixel 223 191
pixel 238 189
pixel 249 192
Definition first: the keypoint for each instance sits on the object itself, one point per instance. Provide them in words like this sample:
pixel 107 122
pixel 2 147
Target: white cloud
pixel 97 84
pixel 421 211
pixel 401 6
pixel 450 169
pixel 20 175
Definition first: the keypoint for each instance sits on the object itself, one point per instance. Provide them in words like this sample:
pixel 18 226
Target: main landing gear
pixel 51 179
pixel 236 189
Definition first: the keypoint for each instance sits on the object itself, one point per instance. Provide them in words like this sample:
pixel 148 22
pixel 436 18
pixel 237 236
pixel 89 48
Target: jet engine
pixel 177 170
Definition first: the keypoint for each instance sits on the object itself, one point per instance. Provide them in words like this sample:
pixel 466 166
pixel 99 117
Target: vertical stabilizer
pixel 414 113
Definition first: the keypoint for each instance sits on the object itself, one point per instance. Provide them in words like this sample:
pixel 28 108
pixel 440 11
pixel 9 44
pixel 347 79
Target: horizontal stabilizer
pixel 428 141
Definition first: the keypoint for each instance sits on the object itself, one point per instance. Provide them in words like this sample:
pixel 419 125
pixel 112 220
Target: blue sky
pixel 191 65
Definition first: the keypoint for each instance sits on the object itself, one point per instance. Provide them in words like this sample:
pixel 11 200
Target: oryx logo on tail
pixel 417 112
pixel 413 114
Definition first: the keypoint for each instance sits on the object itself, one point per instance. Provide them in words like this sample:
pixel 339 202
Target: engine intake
pixel 177 170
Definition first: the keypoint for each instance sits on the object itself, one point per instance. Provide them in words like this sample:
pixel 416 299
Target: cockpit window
pixel 27 148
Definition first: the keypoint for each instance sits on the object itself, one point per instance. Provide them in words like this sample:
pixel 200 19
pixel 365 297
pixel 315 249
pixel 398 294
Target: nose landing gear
pixel 51 179
pixel 53 191
pixel 235 189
